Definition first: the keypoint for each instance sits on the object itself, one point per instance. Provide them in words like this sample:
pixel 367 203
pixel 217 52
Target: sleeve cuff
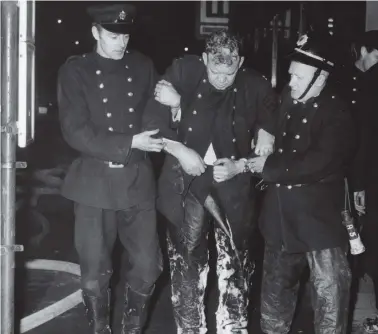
pixel 177 118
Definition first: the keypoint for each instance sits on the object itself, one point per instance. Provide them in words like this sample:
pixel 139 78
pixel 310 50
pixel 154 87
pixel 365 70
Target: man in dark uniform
pixel 102 96
pixel 360 82
pixel 301 213
pixel 209 109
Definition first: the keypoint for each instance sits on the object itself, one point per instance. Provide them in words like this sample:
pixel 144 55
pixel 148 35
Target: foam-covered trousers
pixel 188 257
pixel 330 279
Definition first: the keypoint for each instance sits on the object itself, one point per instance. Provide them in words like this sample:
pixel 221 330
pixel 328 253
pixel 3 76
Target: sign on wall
pixel 212 15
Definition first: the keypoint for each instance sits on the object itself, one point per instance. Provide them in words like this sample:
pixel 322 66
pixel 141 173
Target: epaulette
pixel 75 57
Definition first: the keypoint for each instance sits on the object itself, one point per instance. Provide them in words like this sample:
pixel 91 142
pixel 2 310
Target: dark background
pixel 165 28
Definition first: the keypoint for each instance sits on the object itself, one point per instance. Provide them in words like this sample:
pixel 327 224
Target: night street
pixel 47 270
pixel 44 288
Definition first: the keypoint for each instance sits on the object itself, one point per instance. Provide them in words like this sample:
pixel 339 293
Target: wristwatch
pixel 246 168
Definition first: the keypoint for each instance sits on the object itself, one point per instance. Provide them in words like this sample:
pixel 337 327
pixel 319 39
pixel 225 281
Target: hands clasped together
pixel 193 164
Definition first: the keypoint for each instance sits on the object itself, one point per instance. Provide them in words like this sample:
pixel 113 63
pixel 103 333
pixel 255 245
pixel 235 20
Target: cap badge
pixel 302 40
pixel 122 16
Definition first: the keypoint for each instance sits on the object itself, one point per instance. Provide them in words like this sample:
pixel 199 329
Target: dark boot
pixel 97 311
pixel 135 310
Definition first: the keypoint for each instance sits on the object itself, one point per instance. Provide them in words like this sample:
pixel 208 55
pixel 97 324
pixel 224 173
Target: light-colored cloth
pixel 210 156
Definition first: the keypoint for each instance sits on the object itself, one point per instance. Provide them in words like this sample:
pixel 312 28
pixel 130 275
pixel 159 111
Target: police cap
pixel 118 18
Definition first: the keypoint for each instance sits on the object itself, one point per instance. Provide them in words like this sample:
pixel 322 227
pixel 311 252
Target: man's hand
pixel 265 143
pixel 143 141
pixel 225 169
pixel 191 162
pixel 359 202
pixel 166 94
pixel 256 165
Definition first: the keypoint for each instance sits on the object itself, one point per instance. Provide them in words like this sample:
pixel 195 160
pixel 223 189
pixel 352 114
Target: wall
pixel 371 15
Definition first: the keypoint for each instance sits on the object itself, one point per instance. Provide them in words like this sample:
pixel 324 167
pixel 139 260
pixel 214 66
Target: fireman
pixel 101 98
pixel 360 82
pixel 301 214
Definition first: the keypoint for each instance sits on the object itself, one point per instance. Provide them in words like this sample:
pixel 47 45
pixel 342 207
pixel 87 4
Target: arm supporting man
pixel 84 136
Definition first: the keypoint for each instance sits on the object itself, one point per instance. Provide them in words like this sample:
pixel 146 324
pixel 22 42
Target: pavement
pixel 37 289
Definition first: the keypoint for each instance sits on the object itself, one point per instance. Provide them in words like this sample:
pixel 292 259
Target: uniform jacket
pixel 303 202
pixel 359 90
pixel 101 102
pixel 229 119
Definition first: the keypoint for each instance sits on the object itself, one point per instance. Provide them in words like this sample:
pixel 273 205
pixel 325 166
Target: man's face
pixel 221 75
pixel 109 44
pixel 369 59
pixel 300 77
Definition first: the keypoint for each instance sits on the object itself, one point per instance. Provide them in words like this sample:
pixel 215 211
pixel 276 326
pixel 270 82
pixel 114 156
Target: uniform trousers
pixel 95 235
pixel 369 235
pixel 330 279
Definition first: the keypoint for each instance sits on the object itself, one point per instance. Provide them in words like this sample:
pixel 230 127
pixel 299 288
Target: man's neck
pixel 359 65
pixel 313 95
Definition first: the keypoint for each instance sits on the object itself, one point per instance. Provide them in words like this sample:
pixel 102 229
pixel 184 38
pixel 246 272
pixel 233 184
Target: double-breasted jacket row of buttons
pixel 105 100
pixel 296 137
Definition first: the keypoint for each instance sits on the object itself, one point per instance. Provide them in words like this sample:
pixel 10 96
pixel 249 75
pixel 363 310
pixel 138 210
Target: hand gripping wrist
pixel 245 166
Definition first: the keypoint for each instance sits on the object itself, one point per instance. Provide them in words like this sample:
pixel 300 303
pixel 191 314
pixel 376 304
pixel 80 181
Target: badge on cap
pixel 122 15
pixel 302 40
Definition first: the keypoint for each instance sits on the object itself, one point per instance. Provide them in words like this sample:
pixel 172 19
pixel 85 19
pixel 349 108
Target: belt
pixel 327 179
pixel 112 164
pixel 136 156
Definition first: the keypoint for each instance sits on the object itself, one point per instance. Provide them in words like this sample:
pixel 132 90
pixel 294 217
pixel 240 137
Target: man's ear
pixel 241 61
pixel 205 58
pixel 364 51
pixel 95 33
pixel 322 78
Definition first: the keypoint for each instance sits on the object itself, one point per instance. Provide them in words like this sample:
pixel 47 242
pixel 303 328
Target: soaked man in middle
pixel 209 109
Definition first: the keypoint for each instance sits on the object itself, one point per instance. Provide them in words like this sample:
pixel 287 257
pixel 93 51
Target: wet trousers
pixel 188 257
pixel 330 279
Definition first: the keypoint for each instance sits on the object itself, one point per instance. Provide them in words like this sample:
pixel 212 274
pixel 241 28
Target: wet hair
pixel 220 40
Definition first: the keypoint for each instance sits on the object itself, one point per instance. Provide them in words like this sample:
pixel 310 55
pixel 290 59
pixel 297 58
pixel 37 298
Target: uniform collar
pixel 108 64
pixel 372 72
pixel 325 94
